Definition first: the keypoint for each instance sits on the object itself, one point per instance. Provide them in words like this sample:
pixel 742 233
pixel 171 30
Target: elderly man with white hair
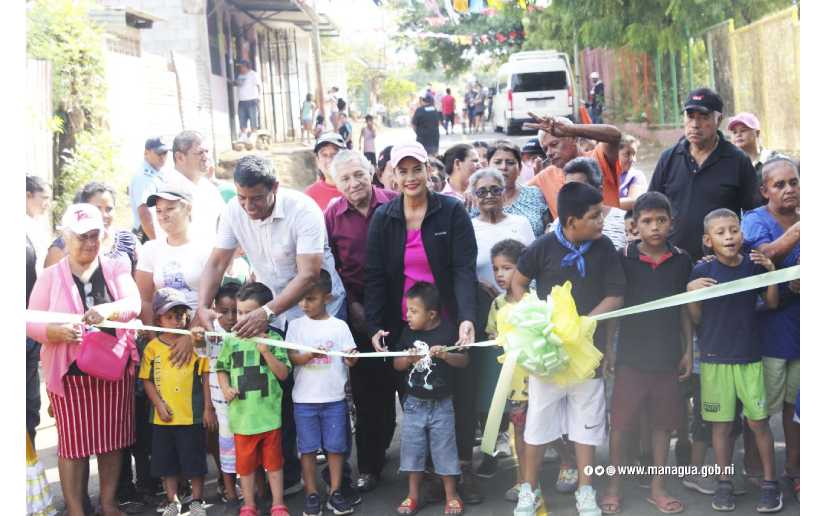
pixel 702 172
pixel 373 382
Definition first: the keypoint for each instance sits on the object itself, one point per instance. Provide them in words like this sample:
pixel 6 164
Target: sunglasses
pixel 494 191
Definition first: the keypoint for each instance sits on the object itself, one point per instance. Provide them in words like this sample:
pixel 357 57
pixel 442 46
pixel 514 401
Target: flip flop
pixel 454 507
pixel 407 507
pixel 666 504
pixel 612 501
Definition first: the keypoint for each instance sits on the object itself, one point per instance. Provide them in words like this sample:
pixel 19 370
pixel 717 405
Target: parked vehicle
pixel 538 81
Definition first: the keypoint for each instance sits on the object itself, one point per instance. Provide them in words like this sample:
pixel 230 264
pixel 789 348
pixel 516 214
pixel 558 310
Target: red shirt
pixel 448 104
pixel 322 193
pixel 347 232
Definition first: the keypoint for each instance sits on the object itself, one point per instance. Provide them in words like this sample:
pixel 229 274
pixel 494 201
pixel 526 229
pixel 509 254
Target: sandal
pixel 454 507
pixel 611 504
pixel 279 510
pixel 667 504
pixel 407 507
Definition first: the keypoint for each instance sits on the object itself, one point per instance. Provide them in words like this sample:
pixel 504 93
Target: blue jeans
pixel 322 425
pixel 32 387
pixel 429 424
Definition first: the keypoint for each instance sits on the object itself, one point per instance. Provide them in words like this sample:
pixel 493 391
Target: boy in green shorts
pixel 731 360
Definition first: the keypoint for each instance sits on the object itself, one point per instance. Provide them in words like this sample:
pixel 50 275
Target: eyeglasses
pixel 495 191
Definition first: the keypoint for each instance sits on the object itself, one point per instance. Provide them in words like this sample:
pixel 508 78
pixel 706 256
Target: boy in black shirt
pixel 577 252
pixel 428 405
pixel 731 359
pixel 653 355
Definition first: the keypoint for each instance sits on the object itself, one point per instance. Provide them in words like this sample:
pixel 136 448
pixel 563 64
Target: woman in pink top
pixel 94 416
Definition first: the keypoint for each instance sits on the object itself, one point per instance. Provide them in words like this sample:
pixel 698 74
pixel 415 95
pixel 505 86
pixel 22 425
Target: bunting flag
pixel 461 6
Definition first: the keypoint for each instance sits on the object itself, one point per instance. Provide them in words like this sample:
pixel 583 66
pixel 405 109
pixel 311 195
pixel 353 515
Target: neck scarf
pixel 576 254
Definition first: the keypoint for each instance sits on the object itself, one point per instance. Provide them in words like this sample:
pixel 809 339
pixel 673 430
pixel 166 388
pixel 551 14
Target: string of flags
pixel 501 38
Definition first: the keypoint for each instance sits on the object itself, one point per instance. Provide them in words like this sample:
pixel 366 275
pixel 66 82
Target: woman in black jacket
pixel 398 231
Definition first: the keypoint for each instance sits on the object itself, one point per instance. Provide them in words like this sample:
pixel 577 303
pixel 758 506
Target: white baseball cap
pixel 81 218
pixel 408 150
pixel 594 75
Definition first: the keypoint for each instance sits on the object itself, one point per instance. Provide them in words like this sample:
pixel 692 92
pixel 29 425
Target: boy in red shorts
pixel 248 373
pixel 653 355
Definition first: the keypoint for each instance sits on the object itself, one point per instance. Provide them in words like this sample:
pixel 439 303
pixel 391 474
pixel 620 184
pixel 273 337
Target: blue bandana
pixel 576 254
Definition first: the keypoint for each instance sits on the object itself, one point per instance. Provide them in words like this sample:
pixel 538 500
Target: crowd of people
pixel 407 250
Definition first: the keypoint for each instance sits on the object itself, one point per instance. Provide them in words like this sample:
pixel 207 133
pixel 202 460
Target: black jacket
pixel 450 244
pixel 726 179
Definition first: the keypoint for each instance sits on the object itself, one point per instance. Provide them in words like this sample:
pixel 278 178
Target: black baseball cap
pixel 169 192
pixel 331 138
pixel 157 145
pixel 704 100
pixel 533 147
pixel 167 298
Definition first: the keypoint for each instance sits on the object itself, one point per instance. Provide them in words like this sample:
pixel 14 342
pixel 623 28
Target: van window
pixel 540 81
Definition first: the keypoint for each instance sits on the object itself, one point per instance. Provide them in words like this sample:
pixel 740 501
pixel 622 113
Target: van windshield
pixel 539 81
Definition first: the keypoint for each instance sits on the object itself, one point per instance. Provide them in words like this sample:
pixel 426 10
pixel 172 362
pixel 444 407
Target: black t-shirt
pixel 652 341
pixel 94 293
pixel 728 331
pixel 437 381
pixel 603 274
pixel 426 120
pixel 31 271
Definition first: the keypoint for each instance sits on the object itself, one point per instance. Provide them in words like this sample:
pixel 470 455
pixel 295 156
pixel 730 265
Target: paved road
pixel 392 490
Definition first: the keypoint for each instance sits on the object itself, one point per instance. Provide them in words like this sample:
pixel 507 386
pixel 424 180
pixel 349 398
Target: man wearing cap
pixel 532 156
pixel 146 182
pixel 190 159
pixel 702 172
pixel 596 98
pixel 249 91
pixel 425 122
pixel 323 190
pixel 745 131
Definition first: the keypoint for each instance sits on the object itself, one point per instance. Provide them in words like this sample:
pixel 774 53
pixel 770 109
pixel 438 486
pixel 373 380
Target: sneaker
pixel 185 494
pixel 366 482
pixel 704 485
pixel 467 486
pixel 511 495
pixel 528 500
pixel 550 455
pixel 197 508
pixel 503 445
pixel 488 467
pixel 171 508
pixel 352 495
pixel 568 480
pixel 723 497
pixel 294 488
pixel 339 504
pixel 586 502
pixel 312 505
pixel 770 498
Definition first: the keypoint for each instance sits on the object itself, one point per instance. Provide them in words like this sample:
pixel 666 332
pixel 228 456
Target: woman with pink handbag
pixel 89 374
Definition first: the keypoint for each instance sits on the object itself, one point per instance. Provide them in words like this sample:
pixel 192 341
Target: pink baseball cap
pixel 749 120
pixel 407 150
pixel 81 218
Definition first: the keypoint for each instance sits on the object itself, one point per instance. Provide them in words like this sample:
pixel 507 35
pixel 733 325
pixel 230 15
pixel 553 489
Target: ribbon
pixel 503 384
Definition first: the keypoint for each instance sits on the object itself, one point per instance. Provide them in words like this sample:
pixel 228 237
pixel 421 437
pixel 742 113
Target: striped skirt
pixel 94 416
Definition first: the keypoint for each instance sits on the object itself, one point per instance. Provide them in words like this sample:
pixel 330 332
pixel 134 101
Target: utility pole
pixel 316 51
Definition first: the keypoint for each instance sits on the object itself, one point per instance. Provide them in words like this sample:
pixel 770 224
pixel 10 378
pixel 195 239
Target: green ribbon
pixel 488 442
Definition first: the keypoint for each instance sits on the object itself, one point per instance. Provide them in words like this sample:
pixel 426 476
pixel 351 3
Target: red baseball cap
pixel 749 120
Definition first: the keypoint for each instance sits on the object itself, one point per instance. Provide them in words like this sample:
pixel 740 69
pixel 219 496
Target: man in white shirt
pixel 190 159
pixel 249 91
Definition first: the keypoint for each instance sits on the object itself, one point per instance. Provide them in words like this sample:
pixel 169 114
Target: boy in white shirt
pixel 319 396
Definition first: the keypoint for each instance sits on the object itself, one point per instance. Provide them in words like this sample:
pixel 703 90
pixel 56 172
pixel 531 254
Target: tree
pixel 396 92
pixel 498 35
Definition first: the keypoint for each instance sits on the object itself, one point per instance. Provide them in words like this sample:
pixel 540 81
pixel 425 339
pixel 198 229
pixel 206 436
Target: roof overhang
pixel 124 16
pixel 276 13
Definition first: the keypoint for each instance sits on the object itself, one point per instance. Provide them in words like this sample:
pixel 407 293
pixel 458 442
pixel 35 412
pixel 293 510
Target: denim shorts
pixel 429 423
pixel 322 426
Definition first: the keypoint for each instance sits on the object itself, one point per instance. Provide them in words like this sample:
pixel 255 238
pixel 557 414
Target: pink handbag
pixel 103 356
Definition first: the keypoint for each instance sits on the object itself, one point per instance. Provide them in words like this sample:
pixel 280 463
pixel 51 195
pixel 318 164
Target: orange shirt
pixel 551 179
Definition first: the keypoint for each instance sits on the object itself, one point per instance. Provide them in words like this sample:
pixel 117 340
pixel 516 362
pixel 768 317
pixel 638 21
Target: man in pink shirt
pixel 448 111
pixel 323 190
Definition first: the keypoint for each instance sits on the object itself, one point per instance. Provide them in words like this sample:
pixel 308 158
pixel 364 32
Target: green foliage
pixel 396 92
pixel 60 32
pixel 456 58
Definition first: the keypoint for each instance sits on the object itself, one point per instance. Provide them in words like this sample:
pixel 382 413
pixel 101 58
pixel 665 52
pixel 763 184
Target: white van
pixel 540 81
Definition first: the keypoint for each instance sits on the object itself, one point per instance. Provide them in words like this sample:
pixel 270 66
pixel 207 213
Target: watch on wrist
pixel 269 313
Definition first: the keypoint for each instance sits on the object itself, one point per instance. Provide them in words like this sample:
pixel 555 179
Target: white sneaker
pixel 503 445
pixel 528 500
pixel 197 508
pixel 586 502
pixel 172 509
